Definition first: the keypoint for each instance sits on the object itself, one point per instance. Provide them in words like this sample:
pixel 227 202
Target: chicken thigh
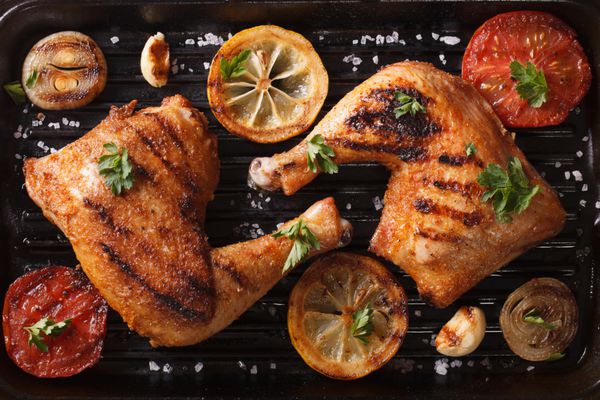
pixel 146 250
pixel 434 224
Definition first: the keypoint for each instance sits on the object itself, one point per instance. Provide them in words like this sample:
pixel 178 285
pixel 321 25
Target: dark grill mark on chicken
pixel 459 160
pixel 438 236
pixel 464 189
pixel 407 154
pixel 106 217
pixel 379 117
pixel 166 299
pixel 427 206
pixel 239 278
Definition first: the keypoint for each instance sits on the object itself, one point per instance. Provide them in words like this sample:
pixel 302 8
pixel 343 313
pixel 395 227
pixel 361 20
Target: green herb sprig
pixel 32 79
pixel 235 67
pixel 533 317
pixel 531 83
pixel 470 149
pixel 304 241
pixel 509 192
pixel 15 92
pixel 47 327
pixel 362 324
pixel 116 169
pixel 408 104
pixel 318 154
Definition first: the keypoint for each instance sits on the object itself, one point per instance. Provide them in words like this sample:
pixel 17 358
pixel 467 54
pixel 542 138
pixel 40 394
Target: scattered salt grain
pixel 584 188
pixel 181 67
pixel 190 42
pixel 577 175
pixel 405 365
pixel 557 164
pixel 20 157
pixel 456 364
pixel 582 203
pixel 379 39
pixel 435 36
pixel 71 124
pixel 393 38
pixel 114 39
pixel 242 365
pixel 17 134
pixel 579 154
pixel 267 200
pixel 254 370
pixel 206 65
pixel 471 363
pixel 321 37
pixel 355 41
pixel 348 206
pixel 441 366
pixel 375 60
pixel 443 58
pixel 175 69
pixel 53 150
pixel 210 39
pixel 597 205
pixel 486 363
pixel 65 121
pixel 167 369
pixel 354 69
pixel 273 366
pixel 585 138
pixel 153 366
pixel 364 38
pixel 567 175
pixel 419 36
pixel 198 367
pixel 530 368
pixel 418 313
pixel 450 40
pixel 402 42
pixel 377 203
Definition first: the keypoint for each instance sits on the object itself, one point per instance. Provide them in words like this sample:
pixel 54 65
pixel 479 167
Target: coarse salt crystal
pixel 354 69
pixel 254 370
pixel 597 205
pixel 442 58
pixel 114 39
pixel 321 37
pixel 175 69
pixel 167 368
pixel 471 363
pixel 355 41
pixel 582 203
pixel 435 36
pixel 375 60
pixel 584 188
pixel 379 39
pixel 567 175
pixel 242 365
pixel 273 366
pixel 585 138
pixel 206 65
pixel 190 42
pixel 419 36
pixel 530 368
pixel 450 40
pixel 65 121
pixel 579 154
pixel 377 203
pixel 577 175
pixel 19 157
pixel 348 206
pixel 557 164
pixel 198 367
pixel 17 135
pixel 402 42
pixel 418 313
pixel 153 366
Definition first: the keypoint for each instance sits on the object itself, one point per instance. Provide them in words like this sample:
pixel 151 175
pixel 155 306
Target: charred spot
pixel 465 189
pixel 438 236
pixel 169 301
pixel 453 338
pixel 459 160
pixel 379 116
pixel 105 216
pixel 427 206
pixel 238 277
pixel 407 154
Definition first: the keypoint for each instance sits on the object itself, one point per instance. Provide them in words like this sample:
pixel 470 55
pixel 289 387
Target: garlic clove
pixel 463 333
pixel 155 60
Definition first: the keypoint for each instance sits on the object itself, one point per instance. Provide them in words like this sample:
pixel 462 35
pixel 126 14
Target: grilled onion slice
pixel 63 71
pixel 554 325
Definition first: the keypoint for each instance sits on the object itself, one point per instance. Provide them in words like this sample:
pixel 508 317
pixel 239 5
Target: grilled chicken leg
pixel 146 250
pixel 434 224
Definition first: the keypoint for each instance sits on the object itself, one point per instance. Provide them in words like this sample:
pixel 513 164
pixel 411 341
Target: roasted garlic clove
pixel 63 71
pixel 155 61
pixel 462 334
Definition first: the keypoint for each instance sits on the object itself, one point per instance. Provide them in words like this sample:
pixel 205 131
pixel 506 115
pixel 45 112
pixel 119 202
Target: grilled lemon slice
pixel 277 90
pixel 327 311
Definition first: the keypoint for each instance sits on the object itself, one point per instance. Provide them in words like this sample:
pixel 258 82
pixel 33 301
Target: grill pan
pixel 254 358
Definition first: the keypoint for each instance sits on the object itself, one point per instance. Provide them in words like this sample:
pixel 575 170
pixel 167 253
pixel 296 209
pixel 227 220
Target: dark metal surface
pixel 253 358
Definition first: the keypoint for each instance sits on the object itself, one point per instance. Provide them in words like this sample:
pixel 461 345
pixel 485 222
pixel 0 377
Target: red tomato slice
pixel 525 36
pixel 58 293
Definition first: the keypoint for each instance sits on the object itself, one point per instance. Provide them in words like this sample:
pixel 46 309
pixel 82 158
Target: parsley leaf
pixel 555 356
pixel 470 149
pixel 32 79
pixel 319 154
pixel 16 92
pixel 304 241
pixel 408 104
pixel 116 168
pixel 235 67
pixel 47 327
pixel 532 85
pixel 362 324
pixel 533 317
pixel 509 192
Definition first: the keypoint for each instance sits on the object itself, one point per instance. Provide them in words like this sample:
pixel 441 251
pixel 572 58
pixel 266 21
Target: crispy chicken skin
pixel 146 250
pixel 434 224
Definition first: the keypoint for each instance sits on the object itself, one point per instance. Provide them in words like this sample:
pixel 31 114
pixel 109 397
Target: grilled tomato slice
pixel 533 37
pixel 347 316
pixel 65 317
pixel 267 84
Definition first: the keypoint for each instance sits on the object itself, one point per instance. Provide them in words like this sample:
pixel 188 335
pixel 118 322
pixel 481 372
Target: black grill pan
pixel 253 358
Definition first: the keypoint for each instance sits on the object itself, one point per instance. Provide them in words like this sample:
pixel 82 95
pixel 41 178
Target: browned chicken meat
pixel 434 224
pixel 146 250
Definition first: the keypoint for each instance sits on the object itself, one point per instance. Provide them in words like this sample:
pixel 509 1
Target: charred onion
pixel 65 70
pixel 539 319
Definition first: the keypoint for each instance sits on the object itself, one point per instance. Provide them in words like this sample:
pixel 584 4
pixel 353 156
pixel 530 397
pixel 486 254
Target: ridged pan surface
pixel 254 358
